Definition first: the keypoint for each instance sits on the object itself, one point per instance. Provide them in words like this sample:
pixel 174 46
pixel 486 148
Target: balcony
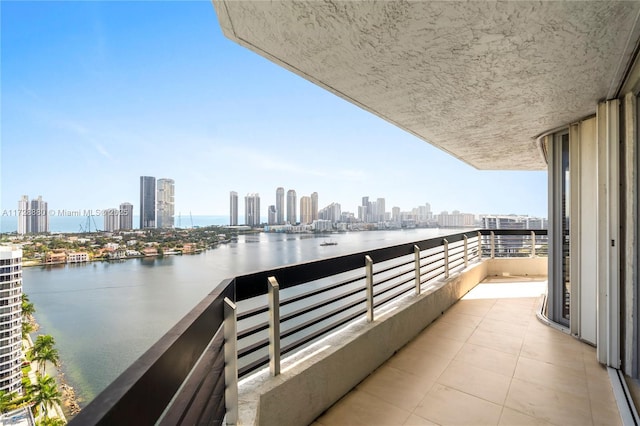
pixel 487 360
pixel 335 321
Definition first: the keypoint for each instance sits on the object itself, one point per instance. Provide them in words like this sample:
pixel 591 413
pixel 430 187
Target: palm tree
pixel 44 355
pixel 27 328
pixel 43 341
pixel 46 393
pixel 48 421
pixel 5 401
pixel 27 307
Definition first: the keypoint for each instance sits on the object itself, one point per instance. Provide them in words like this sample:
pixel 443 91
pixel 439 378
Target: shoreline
pixel 30 262
pixel 70 406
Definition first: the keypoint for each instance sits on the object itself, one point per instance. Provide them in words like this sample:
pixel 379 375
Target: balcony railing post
pixel 274 326
pixel 230 362
pixel 479 246
pixel 369 272
pixel 533 244
pixel 493 245
pixel 466 252
pixel 416 255
pixel 446 258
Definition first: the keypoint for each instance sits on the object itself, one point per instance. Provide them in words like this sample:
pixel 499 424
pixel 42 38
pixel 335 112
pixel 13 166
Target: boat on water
pixel 328 243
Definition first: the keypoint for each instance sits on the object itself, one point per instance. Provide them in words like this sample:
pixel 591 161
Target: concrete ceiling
pixel 480 80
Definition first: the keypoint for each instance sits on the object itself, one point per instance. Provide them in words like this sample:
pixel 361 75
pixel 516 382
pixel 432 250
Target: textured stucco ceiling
pixel 480 80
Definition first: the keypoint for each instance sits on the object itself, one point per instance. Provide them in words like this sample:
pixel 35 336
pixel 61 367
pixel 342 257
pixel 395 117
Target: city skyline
pixel 99 110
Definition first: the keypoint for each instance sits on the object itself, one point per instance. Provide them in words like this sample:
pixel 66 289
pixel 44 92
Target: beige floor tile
pixel 605 413
pixel 463 319
pixel 447 406
pixel 362 408
pixel 436 344
pixel 450 331
pixel 487 358
pixel 478 307
pixel 552 376
pixel 414 420
pixel 499 341
pixel 548 404
pixel 512 417
pixel 564 355
pixel 422 364
pixel 476 381
pixel 503 327
pixel 397 387
pixel 516 315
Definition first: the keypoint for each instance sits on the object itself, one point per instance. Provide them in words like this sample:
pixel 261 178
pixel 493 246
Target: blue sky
pixel 96 94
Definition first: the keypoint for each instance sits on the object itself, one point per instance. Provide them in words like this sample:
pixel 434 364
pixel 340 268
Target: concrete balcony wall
pixel 517 266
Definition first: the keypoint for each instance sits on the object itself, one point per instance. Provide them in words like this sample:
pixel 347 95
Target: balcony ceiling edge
pixel 479 80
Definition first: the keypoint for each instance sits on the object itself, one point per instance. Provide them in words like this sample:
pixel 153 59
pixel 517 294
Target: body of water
pixel 104 315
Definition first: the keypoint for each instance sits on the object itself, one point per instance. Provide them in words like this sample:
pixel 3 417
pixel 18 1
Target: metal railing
pixel 249 322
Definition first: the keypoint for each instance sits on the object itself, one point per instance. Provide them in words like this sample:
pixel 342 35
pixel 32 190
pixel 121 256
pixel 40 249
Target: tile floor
pixel 486 361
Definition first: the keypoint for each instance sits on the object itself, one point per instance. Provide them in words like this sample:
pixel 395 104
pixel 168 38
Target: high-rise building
pixel 38 217
pixel 126 216
pixel 332 213
pixel 395 214
pixel 233 208
pixel 305 210
pixel 147 202
pixel 252 209
pixel 272 215
pixel 291 207
pixel 111 219
pixel 11 319
pixel 280 206
pixel 165 203
pixel 364 213
pixel 314 206
pixel 23 218
pixel 380 210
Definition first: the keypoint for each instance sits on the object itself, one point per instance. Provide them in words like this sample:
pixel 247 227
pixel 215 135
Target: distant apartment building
pixel 395 214
pixel 380 212
pixel 23 219
pixel 280 206
pixel 364 210
pixel 111 220
pixel 512 222
pixel 332 213
pixel 306 216
pixel 314 206
pixel 252 209
pixel 147 202
pixel 165 203
pixel 126 216
pixel 77 257
pixel 456 219
pixel 291 207
pixel 233 208
pixel 272 218
pixel 11 319
pixel 322 225
pixel 33 217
